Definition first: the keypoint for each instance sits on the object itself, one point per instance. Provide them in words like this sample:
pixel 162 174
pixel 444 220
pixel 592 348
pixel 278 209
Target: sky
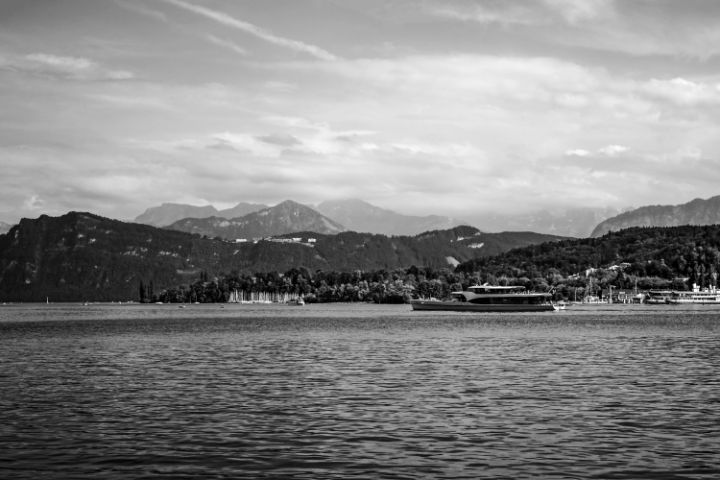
pixel 450 107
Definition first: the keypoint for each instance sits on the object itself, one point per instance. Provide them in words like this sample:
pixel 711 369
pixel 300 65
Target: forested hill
pixel 82 256
pixel 647 256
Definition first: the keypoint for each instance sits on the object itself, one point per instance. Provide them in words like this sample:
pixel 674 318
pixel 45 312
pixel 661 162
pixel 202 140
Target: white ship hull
pixel 476 307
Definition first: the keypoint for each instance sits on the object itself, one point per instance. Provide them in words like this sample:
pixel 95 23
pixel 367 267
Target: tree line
pixel 636 259
pixel 382 286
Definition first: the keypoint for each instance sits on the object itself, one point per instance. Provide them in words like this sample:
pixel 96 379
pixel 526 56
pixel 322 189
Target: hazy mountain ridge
pixel 168 213
pixel 362 216
pixel 286 217
pixel 695 212
pixel 572 222
pixel 352 214
pixel 4 227
pixel 81 256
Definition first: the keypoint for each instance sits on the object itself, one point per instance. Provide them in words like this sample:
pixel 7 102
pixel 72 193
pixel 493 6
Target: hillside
pixel 350 251
pixel 657 257
pixel 361 216
pixel 286 217
pixel 81 256
pixel 696 212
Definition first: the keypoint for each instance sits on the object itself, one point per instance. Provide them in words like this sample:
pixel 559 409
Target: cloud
pixel 524 12
pixel 684 92
pixel 148 12
pixel 226 44
pixel 307 139
pixel 612 150
pixel 280 86
pixel 34 202
pixel 574 11
pixel 131 101
pixel 509 13
pixel 162 17
pixel 609 151
pixel 261 33
pixel 244 142
pixel 468 82
pixel 283 140
pixel 635 28
pixel 71 68
pixel 578 152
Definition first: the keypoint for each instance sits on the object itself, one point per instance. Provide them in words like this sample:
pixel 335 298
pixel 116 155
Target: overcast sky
pixel 442 107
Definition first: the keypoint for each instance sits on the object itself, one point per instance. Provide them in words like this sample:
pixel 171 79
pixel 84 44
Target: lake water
pixel 358 391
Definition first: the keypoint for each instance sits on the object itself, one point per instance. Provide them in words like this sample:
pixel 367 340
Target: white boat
pixel 700 296
pixel 487 298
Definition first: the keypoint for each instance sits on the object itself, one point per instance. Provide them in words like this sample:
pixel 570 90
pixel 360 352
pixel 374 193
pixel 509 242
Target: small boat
pixel 658 297
pixel 487 298
pixel 298 301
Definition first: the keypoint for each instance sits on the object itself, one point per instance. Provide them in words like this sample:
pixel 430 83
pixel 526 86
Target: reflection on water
pixel 357 391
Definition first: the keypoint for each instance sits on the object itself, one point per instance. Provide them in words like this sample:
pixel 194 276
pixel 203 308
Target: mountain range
pixel 81 256
pixel 695 212
pixel 361 216
pixel 351 214
pixel 168 213
pixel 285 217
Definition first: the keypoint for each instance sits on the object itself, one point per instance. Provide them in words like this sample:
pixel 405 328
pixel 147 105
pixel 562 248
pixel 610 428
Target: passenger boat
pixel 696 296
pixel 487 298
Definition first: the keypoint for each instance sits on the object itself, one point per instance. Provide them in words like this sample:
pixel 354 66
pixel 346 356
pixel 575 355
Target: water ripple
pixel 349 394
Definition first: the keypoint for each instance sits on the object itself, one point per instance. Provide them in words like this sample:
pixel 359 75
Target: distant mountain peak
pixel 286 217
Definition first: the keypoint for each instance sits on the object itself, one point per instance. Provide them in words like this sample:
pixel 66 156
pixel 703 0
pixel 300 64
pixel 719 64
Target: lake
pixel 358 391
